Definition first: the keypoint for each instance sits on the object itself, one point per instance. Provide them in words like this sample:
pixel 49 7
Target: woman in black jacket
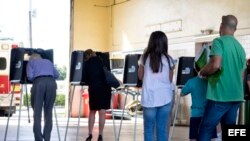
pixel 99 91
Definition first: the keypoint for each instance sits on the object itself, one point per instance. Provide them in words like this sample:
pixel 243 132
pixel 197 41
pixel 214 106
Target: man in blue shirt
pixel 43 93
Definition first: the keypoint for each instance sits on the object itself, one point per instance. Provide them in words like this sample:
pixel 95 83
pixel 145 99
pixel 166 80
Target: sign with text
pixel 233 132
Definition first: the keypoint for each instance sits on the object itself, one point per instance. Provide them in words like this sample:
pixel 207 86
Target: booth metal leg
pixel 7 126
pixel 113 118
pixel 19 116
pixel 27 102
pixel 175 114
pixel 79 117
pixel 57 127
pixel 136 109
pixel 69 112
pixel 123 110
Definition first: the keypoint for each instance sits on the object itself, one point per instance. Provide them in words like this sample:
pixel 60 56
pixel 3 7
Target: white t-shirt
pixel 157 89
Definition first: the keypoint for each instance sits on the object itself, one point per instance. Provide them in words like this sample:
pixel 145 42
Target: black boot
pixel 100 138
pixel 89 137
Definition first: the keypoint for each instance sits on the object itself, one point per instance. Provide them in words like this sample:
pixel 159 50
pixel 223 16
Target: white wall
pixel 103 26
pixel 90 25
pixel 131 19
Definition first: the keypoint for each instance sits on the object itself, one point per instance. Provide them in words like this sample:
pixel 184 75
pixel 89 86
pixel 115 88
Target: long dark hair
pixel 88 54
pixel 157 45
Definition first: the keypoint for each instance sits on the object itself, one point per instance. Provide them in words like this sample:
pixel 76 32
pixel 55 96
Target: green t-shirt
pixel 229 86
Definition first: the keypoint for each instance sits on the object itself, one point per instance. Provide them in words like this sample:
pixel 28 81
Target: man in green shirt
pixel 224 73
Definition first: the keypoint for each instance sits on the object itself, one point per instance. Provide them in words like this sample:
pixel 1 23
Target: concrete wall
pixel 131 19
pixel 125 26
pixel 90 25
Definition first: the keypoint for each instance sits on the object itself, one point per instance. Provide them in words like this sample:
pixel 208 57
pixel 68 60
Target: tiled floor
pixel 128 132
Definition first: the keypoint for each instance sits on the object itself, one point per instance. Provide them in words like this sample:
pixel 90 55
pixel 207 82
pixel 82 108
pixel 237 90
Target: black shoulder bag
pixel 110 78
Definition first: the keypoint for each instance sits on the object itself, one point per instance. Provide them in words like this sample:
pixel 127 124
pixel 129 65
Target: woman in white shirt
pixel 156 71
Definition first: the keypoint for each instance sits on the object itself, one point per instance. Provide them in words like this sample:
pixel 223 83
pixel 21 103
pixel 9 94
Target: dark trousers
pixel 43 94
pixel 215 113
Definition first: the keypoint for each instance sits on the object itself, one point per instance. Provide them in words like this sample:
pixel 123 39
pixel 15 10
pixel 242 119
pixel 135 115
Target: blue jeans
pixel 215 113
pixel 156 117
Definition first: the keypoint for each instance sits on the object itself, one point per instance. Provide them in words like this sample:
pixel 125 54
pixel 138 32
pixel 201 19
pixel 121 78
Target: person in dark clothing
pixel 247 96
pixel 43 93
pixel 99 92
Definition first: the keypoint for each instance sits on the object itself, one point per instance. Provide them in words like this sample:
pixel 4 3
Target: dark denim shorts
pixel 194 127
